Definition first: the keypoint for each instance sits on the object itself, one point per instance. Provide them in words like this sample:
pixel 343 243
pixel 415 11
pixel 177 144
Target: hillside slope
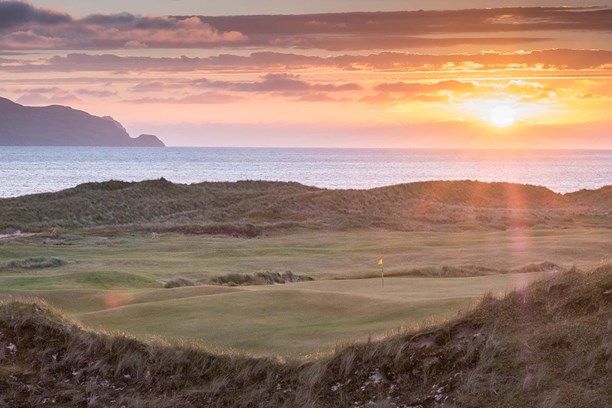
pixel 62 126
pixel 246 207
pixel 549 345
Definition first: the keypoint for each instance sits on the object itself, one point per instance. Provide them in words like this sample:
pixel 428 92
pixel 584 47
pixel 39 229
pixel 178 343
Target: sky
pixel 248 7
pixel 333 73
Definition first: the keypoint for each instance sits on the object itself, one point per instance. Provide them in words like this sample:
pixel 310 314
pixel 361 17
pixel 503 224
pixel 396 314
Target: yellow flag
pixel 380 262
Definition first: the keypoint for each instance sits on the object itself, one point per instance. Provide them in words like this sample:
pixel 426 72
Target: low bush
pixel 538 267
pixel 178 282
pixel 259 278
pixel 38 262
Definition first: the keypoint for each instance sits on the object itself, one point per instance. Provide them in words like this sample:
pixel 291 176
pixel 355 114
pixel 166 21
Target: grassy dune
pixel 547 345
pixel 248 208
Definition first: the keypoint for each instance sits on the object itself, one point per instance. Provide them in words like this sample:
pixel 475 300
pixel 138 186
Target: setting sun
pixel 502 116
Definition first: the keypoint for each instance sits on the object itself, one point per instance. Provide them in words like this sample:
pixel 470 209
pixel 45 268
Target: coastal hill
pixel 63 126
pixel 247 208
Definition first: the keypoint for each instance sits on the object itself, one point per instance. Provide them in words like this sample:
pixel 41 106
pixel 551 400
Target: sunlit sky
pixel 351 73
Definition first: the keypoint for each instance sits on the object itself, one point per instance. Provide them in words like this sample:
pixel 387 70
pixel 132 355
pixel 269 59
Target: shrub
pixel 178 282
pixel 538 267
pixel 259 278
pixel 38 262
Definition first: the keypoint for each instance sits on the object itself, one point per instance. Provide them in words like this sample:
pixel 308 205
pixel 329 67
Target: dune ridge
pixel 246 208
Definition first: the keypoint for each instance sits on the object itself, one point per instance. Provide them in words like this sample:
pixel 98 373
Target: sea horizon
pixel 40 169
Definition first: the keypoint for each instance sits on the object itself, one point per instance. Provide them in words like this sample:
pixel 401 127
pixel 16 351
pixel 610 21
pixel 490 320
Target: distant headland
pixel 63 126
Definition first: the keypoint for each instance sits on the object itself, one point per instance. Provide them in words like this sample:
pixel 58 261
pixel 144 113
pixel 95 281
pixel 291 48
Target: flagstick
pixel 382 274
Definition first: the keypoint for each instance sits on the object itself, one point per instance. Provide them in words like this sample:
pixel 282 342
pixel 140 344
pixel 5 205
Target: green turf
pixel 318 254
pixel 296 319
pixel 116 283
pixel 89 279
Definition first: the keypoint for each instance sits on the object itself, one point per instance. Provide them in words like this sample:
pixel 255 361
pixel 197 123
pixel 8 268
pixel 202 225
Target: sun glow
pixel 501 113
pixel 502 116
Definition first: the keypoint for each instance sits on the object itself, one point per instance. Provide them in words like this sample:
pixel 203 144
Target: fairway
pixel 116 283
pixel 146 260
pixel 279 320
pixel 301 318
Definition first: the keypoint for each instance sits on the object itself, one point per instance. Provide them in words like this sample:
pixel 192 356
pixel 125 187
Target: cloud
pixel 157 32
pixel 386 98
pixel 154 86
pixel 402 22
pixel 552 59
pixel 339 31
pixel 44 90
pixel 29 40
pixel 277 83
pixel 96 93
pixel 429 92
pixel 15 13
pixel 206 98
pixel 544 61
pixel 386 30
pixel 419 87
pixel 319 97
pixel 25 27
pixel 452 90
pixel 389 42
pixel 43 98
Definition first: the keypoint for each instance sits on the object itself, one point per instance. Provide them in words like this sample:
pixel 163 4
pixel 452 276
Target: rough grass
pixel 178 282
pixel 92 279
pixel 545 266
pixel 547 345
pixel 467 270
pixel 259 278
pixel 445 271
pixel 39 262
pixel 249 208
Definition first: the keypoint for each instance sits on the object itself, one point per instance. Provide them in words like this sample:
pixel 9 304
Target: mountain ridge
pixel 57 125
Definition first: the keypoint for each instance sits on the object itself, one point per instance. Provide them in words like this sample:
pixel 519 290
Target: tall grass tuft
pixel 259 278
pixel 38 262
pixel 178 282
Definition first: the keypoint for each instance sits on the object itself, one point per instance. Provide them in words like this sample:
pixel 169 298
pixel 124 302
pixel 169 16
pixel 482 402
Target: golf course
pixel 120 282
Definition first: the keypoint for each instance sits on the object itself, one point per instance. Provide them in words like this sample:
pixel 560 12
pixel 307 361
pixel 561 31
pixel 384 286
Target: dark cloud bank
pixel 23 27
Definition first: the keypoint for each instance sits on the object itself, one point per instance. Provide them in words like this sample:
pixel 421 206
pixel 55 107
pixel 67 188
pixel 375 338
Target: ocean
pixel 28 170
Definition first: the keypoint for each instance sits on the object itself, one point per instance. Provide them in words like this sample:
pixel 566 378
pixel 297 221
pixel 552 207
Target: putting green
pixel 281 320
